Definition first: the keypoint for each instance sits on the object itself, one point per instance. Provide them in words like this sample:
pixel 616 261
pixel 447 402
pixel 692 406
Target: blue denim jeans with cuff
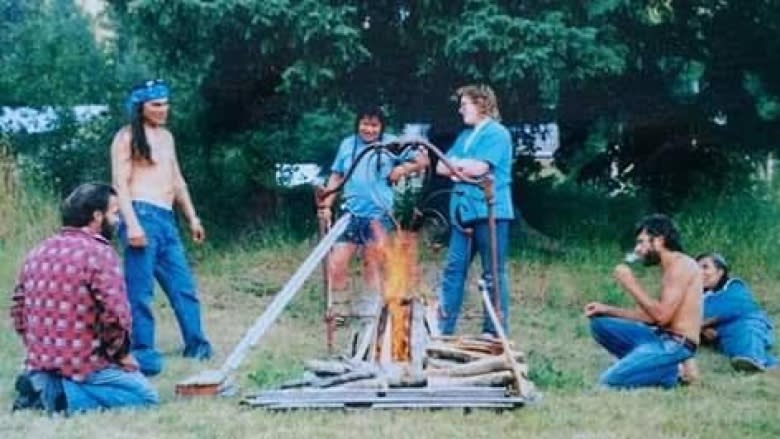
pixel 163 259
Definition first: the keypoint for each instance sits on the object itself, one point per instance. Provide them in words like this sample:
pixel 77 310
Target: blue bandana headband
pixel 148 91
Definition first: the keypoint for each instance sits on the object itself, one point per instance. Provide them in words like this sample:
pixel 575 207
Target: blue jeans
pixel 163 258
pixel 462 249
pixel 107 388
pixel 645 356
pixel 748 337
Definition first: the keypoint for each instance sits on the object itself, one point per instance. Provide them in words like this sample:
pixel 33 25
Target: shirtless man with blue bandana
pixel 149 183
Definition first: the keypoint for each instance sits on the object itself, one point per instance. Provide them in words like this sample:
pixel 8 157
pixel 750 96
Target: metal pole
pixel 284 296
pixel 490 199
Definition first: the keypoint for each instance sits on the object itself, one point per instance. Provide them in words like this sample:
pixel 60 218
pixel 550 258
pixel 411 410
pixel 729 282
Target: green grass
pixel 546 322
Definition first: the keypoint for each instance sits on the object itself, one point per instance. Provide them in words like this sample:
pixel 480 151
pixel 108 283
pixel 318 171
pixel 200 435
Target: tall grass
pixel 27 215
pixel 746 230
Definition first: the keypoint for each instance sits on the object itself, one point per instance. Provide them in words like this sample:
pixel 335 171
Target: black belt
pixel 679 338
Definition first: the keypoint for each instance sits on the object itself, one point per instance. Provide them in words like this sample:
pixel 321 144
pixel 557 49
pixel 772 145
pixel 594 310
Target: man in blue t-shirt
pixel 368 196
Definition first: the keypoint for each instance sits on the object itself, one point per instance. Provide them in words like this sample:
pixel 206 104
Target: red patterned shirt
pixel 70 306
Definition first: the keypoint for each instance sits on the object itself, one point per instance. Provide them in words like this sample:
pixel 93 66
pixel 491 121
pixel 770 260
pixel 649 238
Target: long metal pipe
pixel 284 296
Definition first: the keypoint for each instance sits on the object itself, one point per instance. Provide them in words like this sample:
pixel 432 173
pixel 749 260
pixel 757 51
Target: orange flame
pixel 401 276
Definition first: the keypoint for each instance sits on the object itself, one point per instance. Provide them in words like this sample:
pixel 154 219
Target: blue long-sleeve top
pixel 732 302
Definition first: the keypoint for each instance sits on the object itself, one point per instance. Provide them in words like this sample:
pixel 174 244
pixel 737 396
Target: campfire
pixel 402 362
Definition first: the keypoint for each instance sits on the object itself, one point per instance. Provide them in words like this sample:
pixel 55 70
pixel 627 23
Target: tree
pixel 55 59
pixel 56 62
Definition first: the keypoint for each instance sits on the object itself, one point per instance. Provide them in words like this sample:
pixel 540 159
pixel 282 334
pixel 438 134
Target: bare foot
pixel 688 371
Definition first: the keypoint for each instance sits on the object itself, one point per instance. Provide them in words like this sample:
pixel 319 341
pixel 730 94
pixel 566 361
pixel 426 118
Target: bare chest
pixel 162 152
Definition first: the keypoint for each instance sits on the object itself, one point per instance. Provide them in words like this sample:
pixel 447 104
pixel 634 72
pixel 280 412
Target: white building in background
pixel 40 120
pixel 296 174
pixel 539 140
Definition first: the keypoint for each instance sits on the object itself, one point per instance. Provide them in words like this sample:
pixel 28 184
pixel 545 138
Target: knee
pixel 597 324
pixel 601 327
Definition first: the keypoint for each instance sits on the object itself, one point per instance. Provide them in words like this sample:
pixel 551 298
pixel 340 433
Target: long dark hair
pixel 140 148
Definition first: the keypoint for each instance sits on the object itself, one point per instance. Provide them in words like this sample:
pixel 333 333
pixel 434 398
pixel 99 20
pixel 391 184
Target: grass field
pixel 546 319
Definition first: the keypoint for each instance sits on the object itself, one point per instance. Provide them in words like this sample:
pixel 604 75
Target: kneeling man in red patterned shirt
pixel 70 309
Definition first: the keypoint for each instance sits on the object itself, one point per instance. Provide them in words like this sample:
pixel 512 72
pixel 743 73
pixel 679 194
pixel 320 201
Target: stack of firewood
pixel 449 361
pixel 452 361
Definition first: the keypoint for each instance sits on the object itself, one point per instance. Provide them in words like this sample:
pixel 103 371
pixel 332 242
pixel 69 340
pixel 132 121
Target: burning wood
pixel 400 350
pixel 401 277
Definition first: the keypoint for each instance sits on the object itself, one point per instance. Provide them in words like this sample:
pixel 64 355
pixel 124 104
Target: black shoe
pixel 27 397
pixel 745 364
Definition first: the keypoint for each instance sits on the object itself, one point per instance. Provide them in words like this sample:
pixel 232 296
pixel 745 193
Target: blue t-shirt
pixel 367 193
pixel 492 144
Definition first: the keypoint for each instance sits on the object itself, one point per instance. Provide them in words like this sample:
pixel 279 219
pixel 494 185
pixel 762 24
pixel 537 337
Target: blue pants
pixel 108 388
pixel 462 249
pixel 163 258
pixel 645 356
pixel 748 337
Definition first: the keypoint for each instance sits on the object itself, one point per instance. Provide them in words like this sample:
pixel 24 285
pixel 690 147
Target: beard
pixel 651 258
pixel 107 229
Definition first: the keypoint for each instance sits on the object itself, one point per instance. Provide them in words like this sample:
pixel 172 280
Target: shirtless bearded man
pixel 653 340
pixel 149 182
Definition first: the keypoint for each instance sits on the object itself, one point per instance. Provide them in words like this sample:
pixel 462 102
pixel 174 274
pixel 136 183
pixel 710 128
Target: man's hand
pixel 594 309
pixel 709 334
pixel 198 232
pixel 128 363
pixel 624 276
pixel 397 172
pixel 136 237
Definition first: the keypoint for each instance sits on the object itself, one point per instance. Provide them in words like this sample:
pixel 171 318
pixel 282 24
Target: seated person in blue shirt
pixel 368 196
pixel 733 321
